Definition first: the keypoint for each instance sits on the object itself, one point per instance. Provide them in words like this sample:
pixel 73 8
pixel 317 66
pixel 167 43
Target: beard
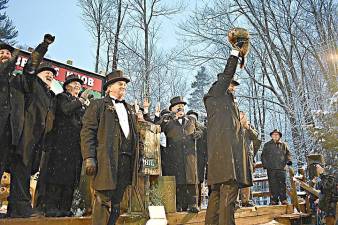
pixel 4 59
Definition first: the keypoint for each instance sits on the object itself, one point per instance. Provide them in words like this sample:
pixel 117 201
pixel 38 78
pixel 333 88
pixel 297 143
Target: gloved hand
pixel 239 40
pixel 91 166
pixel 196 135
pixel 48 39
pixel 289 163
pixel 86 94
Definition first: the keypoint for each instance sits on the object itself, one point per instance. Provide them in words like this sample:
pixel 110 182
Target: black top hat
pixel 192 112
pixel 114 76
pixel 46 67
pixel 276 131
pixel 6 46
pixel 176 100
pixel 235 83
pixel 70 79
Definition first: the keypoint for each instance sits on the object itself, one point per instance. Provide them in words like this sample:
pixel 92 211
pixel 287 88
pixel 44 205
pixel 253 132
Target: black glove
pixel 48 39
pixel 90 165
pixel 289 163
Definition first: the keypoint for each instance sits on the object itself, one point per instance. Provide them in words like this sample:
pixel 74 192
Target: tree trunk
pixel 117 34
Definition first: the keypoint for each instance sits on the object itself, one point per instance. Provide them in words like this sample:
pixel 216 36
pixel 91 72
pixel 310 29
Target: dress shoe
pixel 53 213
pixel 193 209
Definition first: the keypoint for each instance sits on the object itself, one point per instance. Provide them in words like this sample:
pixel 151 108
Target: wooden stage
pixel 244 216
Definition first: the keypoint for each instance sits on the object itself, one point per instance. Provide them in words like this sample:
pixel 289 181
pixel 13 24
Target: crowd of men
pixel 69 129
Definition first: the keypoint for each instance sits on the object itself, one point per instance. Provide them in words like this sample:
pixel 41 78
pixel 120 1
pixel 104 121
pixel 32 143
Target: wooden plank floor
pixel 244 216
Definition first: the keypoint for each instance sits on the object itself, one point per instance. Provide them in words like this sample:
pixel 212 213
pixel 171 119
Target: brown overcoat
pixel 227 157
pixel 101 139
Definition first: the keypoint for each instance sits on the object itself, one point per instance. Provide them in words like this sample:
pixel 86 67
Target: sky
pixel 62 18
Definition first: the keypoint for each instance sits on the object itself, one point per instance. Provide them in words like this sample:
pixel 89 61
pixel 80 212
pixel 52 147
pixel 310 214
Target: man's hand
pixel 158 110
pixel 85 95
pixel 91 167
pixel 48 39
pixel 146 103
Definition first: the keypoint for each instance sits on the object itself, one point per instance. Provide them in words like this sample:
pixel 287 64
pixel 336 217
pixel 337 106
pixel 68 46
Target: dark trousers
pixel 186 195
pixel 106 208
pixel 221 206
pixel 277 185
pixel 20 197
pixel 199 194
pixel 58 197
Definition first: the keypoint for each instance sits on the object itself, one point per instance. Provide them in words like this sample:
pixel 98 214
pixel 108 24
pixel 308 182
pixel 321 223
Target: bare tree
pixel 95 14
pixel 285 60
pixel 143 14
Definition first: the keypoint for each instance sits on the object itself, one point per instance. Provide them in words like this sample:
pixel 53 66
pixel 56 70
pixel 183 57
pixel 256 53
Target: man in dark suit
pixel 7 65
pixel 63 146
pixel 109 145
pixel 275 157
pixel 228 163
pixel 32 115
pixel 180 156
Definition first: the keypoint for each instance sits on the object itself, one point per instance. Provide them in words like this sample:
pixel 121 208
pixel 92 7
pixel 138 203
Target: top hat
pixel 46 67
pixel 192 112
pixel 276 131
pixel 6 46
pixel 70 79
pixel 176 100
pixel 114 76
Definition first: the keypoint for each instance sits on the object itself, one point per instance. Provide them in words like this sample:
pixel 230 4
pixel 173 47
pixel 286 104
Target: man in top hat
pixel 228 164
pixel 7 65
pixel 179 156
pixel 275 156
pixel 109 148
pixel 63 147
pixel 31 119
pixel 202 154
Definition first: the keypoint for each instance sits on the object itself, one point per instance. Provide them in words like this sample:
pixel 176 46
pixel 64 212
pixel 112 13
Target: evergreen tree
pixel 8 31
pixel 200 86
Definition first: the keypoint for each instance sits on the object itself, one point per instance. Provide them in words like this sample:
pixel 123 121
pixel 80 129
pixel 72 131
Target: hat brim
pixel 72 80
pixel 6 46
pixel 235 83
pixel 105 86
pixel 280 134
pixel 192 113
pixel 46 68
pixel 176 103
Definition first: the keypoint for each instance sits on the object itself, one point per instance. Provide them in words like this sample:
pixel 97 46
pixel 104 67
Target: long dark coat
pixel 101 139
pixel 6 70
pixel 32 116
pixel 227 158
pixel 63 142
pixel 275 155
pixel 180 156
